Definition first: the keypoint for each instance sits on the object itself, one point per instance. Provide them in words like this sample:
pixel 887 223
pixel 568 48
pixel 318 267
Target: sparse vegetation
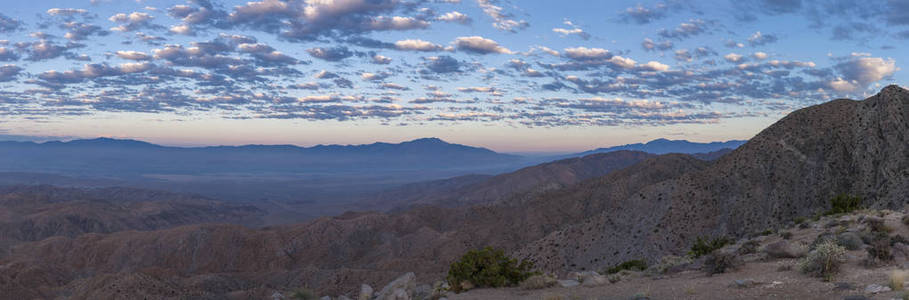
pixel 718 262
pixel 668 263
pixel 824 261
pixel 844 203
pixel 487 267
pixel 540 281
pixel 749 247
pixel 703 246
pixel 303 294
pixel 635 265
pixel 786 235
pixel 879 250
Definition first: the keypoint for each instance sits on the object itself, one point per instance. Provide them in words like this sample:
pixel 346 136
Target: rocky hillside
pixel 32 213
pixel 789 170
pixel 524 183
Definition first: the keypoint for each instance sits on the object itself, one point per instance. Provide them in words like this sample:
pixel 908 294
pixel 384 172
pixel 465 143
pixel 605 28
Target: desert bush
pixel 703 246
pixel 488 267
pixel 537 282
pixel 613 278
pixel 303 294
pixel 905 220
pixel 844 203
pixel 718 262
pixel 749 247
pixel 824 261
pixel 897 278
pixel 879 250
pixel 635 265
pixel 877 224
pixel 850 240
pixel 668 263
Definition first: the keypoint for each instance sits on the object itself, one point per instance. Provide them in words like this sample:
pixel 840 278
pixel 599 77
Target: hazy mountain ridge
pixel 106 156
pixel 664 146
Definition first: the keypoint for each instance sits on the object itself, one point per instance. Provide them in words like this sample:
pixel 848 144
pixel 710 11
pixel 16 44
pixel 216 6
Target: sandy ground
pixel 772 281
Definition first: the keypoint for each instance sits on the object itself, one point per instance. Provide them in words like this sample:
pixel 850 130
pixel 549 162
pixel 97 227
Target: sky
pixel 513 76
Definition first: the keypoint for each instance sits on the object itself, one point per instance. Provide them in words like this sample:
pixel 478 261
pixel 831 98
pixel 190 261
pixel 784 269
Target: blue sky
pixel 511 76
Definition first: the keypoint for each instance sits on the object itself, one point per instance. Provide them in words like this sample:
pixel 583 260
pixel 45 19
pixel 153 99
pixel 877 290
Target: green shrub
pixel 703 247
pixel 303 294
pixel 487 267
pixel 824 261
pixel 844 203
pixel 636 264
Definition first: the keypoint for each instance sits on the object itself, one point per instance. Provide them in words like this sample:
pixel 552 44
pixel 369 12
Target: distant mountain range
pixel 105 156
pixel 664 146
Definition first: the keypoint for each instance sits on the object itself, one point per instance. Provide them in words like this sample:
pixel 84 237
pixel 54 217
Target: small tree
pixel 487 267
pixel 844 203
pixel 702 246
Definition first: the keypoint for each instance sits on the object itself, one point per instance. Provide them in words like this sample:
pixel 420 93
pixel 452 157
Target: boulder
pixel 876 288
pixel 402 288
pixel 568 283
pixel 785 249
pixel 591 278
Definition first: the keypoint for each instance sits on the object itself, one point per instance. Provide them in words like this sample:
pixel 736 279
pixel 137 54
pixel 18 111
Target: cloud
pixel 501 20
pixel 479 45
pixel 733 57
pixel 8 24
pixel 655 66
pixel 131 22
pixel 574 30
pixel 759 39
pixel 395 23
pixel 133 55
pixel 7 54
pixel 759 55
pixel 381 60
pixel 92 71
pixel 698 53
pixel 330 54
pixel 644 15
pixel 584 53
pixel 417 45
pixel 685 30
pixel 650 45
pixel 66 11
pixel 9 72
pixel 858 72
pixel 455 17
pixel 442 64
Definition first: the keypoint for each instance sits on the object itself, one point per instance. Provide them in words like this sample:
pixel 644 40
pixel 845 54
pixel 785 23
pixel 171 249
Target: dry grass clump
pixel 897 278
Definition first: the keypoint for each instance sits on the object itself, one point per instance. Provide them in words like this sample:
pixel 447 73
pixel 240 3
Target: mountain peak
pixel 893 88
pixel 429 140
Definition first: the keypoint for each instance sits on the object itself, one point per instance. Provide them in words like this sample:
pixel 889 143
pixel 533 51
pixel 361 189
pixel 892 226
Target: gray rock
pixel 842 286
pixel 744 283
pixel 325 298
pixel 342 297
pixel 591 278
pixel 402 288
pixel 876 288
pixel 277 296
pixel 568 283
pixel 855 297
pixel 785 249
pixel 366 292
